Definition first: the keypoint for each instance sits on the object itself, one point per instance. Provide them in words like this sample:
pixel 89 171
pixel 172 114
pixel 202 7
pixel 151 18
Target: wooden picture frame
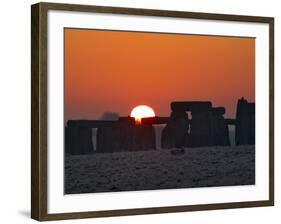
pixel 39 109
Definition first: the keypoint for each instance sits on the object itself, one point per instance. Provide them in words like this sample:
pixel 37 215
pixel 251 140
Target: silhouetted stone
pixel 220 127
pixel 78 140
pixel 125 137
pixel 126 120
pixel 218 110
pixel 230 121
pixel 245 123
pixel 144 138
pixel 78 135
pixel 67 141
pixel 208 127
pixel 201 129
pixel 252 123
pixel 109 139
pixel 155 120
pixel 191 106
pixel 175 133
pixel 111 136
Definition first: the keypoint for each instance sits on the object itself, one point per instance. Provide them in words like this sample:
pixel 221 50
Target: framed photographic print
pixel 141 111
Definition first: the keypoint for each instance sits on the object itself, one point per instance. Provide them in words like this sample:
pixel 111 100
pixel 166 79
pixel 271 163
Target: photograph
pixel 145 111
pixel 156 110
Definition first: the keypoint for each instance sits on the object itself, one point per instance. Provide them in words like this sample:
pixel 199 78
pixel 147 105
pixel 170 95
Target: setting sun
pixel 140 112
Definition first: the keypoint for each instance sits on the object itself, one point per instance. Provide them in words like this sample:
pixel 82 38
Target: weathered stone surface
pixel 175 133
pixel 191 106
pixel 245 123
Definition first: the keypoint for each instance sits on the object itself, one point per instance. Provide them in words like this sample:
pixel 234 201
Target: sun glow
pixel 140 112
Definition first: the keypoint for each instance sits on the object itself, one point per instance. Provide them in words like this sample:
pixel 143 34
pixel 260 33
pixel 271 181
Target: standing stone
pixel 143 138
pixel 220 127
pixel 175 133
pixel 201 129
pixel 125 137
pixel 67 148
pixel 109 139
pixel 78 140
pixel 252 122
pixel 245 123
pixel 85 140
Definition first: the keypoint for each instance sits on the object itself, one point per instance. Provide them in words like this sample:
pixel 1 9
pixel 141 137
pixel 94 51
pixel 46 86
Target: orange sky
pixel 112 71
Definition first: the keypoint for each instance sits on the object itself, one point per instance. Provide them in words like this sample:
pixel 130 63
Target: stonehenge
pixel 190 124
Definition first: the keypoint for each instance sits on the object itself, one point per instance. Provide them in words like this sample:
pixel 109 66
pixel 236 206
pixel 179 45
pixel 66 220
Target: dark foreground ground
pixel 160 169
